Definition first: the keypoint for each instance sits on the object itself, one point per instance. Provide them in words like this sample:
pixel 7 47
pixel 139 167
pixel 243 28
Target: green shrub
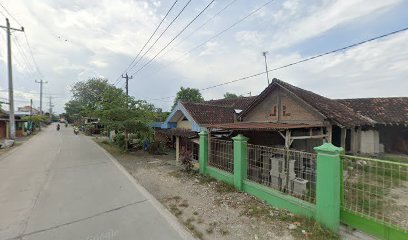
pixel 119 140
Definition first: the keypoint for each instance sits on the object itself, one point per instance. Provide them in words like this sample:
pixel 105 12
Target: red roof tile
pixel 392 110
pixel 236 103
pixel 259 126
pixel 331 109
pixel 204 113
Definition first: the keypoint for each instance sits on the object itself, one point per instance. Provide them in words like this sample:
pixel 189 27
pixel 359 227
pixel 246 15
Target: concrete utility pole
pixel 127 82
pixel 51 107
pixel 31 114
pixel 41 90
pixel 266 66
pixel 127 94
pixel 31 107
pixel 10 79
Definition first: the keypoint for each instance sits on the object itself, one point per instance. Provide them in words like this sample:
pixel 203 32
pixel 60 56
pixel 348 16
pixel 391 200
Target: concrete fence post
pixel 328 186
pixel 240 160
pixel 203 154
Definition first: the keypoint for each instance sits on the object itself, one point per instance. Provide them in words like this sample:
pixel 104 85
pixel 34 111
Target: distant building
pixel 27 109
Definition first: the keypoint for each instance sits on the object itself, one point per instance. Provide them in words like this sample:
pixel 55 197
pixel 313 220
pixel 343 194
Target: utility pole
pixel 10 79
pixel 31 115
pixel 31 107
pixel 41 82
pixel 51 108
pixel 127 82
pixel 127 105
pixel 266 66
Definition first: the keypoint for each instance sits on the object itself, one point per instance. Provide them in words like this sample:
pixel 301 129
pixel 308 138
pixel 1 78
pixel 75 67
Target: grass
pixel 175 210
pixel 310 229
pixel 211 227
pixel 189 224
pixel 221 187
pixel 395 158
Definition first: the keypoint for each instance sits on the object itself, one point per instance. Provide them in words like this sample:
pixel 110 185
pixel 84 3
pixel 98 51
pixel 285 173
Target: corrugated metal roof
pixel 260 126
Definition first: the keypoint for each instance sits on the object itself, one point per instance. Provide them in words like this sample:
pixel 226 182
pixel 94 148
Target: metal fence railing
pixel 376 189
pixel 221 155
pixel 288 171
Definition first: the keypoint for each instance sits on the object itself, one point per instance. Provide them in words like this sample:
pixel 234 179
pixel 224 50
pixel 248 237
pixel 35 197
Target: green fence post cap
pixel 328 148
pixel 240 137
pixel 203 133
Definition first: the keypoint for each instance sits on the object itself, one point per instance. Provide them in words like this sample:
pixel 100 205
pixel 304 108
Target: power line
pixel 150 38
pixel 165 30
pixel 202 25
pixel 32 55
pixel 11 15
pixel 195 18
pixel 25 35
pixel 29 65
pixel 220 33
pixel 300 61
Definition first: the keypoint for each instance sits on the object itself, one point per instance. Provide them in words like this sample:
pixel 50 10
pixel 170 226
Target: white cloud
pixel 332 13
pixel 104 35
pixel 210 48
pixel 249 38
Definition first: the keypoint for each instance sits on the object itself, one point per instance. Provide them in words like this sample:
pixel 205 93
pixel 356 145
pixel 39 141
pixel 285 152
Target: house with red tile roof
pixel 187 119
pixel 293 117
pixel 288 116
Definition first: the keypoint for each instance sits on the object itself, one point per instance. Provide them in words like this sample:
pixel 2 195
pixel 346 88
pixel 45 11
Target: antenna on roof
pixel 266 66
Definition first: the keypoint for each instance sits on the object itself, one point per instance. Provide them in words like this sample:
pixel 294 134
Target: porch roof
pixel 178 132
pixel 261 126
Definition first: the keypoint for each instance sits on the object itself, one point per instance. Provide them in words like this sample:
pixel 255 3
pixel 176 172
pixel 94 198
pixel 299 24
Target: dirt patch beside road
pixel 212 209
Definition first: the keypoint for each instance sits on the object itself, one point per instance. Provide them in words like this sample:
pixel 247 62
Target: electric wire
pixel 202 25
pixel 220 33
pixel 175 37
pixel 300 61
pixel 164 31
pixel 11 15
pixel 150 38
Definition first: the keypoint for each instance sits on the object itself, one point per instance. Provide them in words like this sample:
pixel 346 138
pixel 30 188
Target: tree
pixel 188 94
pixel 228 95
pixel 87 96
pixel 115 110
pixel 35 119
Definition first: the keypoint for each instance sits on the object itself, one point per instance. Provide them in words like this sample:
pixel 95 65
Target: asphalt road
pixel 62 186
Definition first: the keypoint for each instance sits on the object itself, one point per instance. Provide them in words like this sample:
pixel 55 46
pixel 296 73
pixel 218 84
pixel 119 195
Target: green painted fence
pixel 329 205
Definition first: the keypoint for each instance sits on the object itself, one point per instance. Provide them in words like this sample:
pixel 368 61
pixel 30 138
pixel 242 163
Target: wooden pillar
pixel 358 140
pixel 177 149
pixel 354 140
pixel 343 138
pixel 287 139
pixel 329 133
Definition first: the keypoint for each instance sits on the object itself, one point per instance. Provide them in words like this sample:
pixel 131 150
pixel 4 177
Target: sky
pixel 75 40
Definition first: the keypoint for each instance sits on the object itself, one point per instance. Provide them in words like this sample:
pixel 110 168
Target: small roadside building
pixel 21 125
pixel 288 116
pixel 187 119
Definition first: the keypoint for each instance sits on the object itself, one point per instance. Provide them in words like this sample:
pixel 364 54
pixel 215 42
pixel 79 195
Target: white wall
pixel 370 142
